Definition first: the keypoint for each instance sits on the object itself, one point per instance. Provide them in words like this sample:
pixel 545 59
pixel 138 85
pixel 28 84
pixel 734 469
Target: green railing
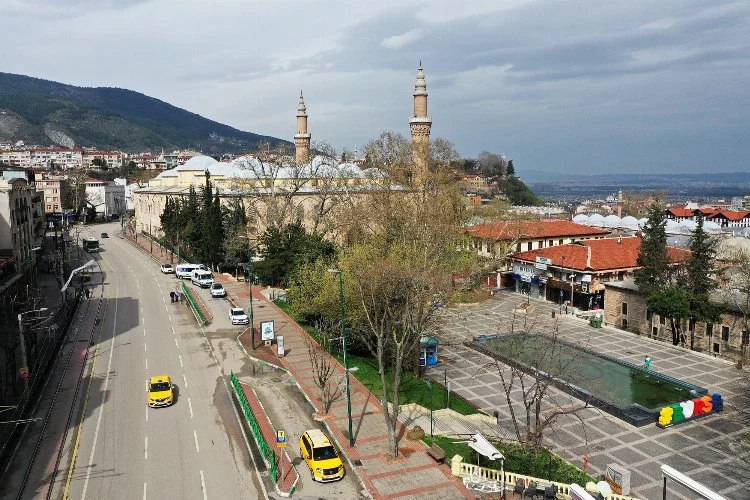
pixel 193 305
pixel 267 452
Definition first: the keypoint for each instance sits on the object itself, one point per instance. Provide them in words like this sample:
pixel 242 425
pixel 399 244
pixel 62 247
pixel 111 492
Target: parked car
pixel 238 317
pixel 105 235
pixel 160 391
pixel 167 268
pixel 320 456
pixel 217 290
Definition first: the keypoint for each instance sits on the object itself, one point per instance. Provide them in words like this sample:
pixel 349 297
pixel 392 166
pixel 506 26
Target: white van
pixel 202 278
pixel 186 270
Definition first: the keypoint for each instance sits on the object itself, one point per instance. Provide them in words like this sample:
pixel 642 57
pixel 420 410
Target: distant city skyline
pixel 568 86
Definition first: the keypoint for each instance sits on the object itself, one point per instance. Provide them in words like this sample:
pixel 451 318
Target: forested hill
pixel 42 112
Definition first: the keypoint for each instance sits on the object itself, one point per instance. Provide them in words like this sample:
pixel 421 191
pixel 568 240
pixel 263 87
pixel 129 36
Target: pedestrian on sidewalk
pixel 177 296
pixel 87 291
pixel 171 297
pixel 647 363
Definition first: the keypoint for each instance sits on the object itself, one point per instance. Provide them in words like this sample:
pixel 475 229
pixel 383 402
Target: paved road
pixel 285 404
pixel 194 449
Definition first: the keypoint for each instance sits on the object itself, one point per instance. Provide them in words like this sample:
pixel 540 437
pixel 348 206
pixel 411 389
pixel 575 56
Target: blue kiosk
pixel 428 354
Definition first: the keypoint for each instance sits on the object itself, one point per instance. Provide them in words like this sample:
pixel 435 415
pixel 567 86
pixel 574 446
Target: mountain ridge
pixel 42 111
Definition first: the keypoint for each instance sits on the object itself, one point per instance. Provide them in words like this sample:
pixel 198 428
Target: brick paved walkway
pixel 413 475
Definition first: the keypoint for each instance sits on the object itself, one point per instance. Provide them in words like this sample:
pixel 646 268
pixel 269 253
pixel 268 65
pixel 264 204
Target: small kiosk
pixel 428 354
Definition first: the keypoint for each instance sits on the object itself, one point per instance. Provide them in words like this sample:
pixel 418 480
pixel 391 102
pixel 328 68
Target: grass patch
pixel 539 462
pixel 469 296
pixel 412 390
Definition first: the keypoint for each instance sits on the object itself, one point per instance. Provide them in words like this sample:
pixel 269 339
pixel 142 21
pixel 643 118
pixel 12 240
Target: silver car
pixel 238 317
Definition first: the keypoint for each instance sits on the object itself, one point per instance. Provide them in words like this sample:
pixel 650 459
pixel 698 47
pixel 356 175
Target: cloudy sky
pixel 567 86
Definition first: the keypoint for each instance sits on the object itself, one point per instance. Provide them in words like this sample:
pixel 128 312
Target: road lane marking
pixel 104 395
pixel 184 380
pixel 195 436
pixel 144 491
pixel 190 405
pixel 145 347
pixel 145 449
pixel 146 363
pixel 176 344
pixel 180 356
pixel 203 486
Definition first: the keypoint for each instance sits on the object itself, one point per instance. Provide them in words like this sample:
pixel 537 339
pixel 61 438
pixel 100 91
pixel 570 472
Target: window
pixel 560 242
pixel 551 243
pixel 649 315
pixel 662 320
pixel 724 333
pixel 716 348
pixel 518 247
pixel 625 308
pixel 709 329
pixel 624 323
pixel 528 245
pixel 541 244
pixel 655 331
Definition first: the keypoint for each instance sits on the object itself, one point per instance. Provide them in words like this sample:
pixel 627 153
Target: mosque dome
pixel 596 220
pixel 581 219
pixel 612 221
pixel 630 222
pixel 200 163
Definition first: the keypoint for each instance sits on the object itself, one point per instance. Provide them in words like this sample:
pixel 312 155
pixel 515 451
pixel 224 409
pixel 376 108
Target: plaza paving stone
pixel 709 447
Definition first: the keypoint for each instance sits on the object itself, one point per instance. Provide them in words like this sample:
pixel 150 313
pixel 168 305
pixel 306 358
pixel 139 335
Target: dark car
pixel 105 235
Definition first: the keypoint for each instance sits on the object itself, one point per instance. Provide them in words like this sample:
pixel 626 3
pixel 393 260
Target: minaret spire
pixel 420 125
pixel 302 137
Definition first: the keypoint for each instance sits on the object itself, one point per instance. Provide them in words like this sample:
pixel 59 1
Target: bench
pixel 436 452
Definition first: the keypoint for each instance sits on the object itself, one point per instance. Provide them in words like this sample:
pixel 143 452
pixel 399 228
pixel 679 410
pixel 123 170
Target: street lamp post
pixel 250 280
pixel 429 384
pixel 22 340
pixel 343 344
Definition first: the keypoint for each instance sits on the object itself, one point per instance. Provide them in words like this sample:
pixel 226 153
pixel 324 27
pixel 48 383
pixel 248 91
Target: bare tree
pixel 323 368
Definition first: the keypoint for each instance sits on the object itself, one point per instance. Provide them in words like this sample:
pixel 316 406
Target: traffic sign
pixel 280 439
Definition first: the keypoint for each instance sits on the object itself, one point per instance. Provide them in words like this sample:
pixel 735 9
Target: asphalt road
pixel 194 449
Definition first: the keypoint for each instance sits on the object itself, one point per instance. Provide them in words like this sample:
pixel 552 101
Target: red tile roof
pixel 529 229
pixel 730 214
pixel 598 255
pixel 682 212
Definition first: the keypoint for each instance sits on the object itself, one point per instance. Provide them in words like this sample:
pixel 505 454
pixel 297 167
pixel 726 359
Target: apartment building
pixel 114 159
pixel 20 219
pixel 56 191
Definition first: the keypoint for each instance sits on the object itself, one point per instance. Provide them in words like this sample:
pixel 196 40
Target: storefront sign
pixel 586 278
pixel 544 260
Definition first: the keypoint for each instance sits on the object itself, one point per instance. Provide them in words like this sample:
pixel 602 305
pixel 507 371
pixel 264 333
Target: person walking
pixel 171 297
pixel 647 363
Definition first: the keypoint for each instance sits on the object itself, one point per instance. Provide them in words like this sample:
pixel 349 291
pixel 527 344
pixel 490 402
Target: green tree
pixel 212 242
pixel 698 280
pixel 671 302
pixel 519 193
pixel 286 248
pixel 653 273
pixel 510 170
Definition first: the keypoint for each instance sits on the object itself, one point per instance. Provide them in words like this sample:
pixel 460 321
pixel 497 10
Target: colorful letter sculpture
pixel 690 409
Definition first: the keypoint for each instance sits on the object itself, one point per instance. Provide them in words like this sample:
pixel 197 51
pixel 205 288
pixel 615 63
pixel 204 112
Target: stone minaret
pixel 302 138
pixel 420 125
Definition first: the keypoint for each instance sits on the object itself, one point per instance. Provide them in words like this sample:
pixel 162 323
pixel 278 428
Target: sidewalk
pixel 414 474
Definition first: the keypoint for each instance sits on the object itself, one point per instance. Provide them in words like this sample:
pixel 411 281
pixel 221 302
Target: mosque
pixel 312 186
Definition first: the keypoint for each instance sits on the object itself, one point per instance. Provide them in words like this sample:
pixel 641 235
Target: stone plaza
pixel 709 450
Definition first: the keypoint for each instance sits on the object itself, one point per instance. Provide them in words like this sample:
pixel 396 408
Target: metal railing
pixel 266 451
pixel 193 304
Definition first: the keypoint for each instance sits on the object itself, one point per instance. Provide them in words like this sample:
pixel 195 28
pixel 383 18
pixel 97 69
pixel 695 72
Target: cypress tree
pixel 698 279
pixel 653 273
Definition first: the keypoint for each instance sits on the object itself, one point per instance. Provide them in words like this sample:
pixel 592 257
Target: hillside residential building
pixel 114 159
pixel 580 269
pixel 626 308
pixel 498 239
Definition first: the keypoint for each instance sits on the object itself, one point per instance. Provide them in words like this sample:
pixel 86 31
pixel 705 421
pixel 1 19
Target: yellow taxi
pixel 321 457
pixel 160 391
